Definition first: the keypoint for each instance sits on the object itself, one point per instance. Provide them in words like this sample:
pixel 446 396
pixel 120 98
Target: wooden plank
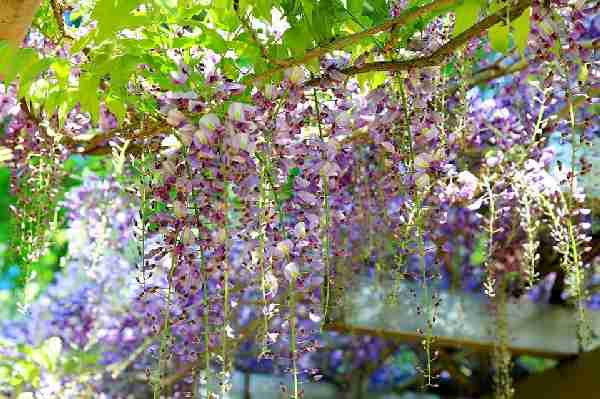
pixel 462 320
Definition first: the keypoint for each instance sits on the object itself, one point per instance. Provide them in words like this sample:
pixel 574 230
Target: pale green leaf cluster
pixel 125 42
pixel 22 371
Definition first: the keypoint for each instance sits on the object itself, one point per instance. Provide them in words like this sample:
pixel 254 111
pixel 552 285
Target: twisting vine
pixel 501 355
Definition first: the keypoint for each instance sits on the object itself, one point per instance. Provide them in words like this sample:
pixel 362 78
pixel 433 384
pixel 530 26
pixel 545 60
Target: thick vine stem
pixel 166 334
pixel 262 224
pixel 439 55
pixel 490 279
pixel 58 9
pixel 405 18
pixel 98 144
pixel 583 333
pixel 503 385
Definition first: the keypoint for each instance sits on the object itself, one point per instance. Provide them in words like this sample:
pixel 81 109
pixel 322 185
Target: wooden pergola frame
pixel 540 330
pixel 463 320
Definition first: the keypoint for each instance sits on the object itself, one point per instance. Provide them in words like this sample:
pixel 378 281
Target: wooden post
pixel 15 19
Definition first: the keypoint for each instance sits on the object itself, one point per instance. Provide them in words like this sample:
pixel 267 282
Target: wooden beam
pixel 441 341
pixel 462 320
pixel 15 19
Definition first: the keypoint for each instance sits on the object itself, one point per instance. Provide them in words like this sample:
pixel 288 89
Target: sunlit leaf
pixel 499 39
pixel 113 16
pixel 88 94
pixel 29 75
pixel 521 28
pixel 20 60
pixel 117 107
pixel 5 155
pixel 297 39
pixel 466 15
pixel 355 7
pixel 62 69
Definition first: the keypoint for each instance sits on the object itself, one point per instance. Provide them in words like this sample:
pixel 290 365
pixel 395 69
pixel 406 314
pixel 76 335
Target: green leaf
pixel 376 79
pixel 499 39
pixel 88 94
pixel 521 28
pixel 262 9
pixel 495 5
pixel 377 10
pixel 115 15
pixel 167 5
pixel 81 43
pixel 61 69
pixel 583 73
pixel 466 15
pixel 222 4
pixel 244 5
pixel 355 7
pixel 314 66
pixel 66 102
pixel 478 256
pixel 116 106
pixel 78 360
pixel 229 68
pixel 449 69
pixel 8 53
pixel 119 68
pixel 47 354
pixel 371 80
pixel 30 75
pixel 248 58
pixel 214 41
pixel 287 190
pixel 51 349
pixel 322 24
pixel 296 38
pixel 308 7
pixel 26 62
pixel 16 61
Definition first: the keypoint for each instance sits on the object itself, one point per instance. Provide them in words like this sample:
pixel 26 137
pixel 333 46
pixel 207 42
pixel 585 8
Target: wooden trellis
pixel 390 309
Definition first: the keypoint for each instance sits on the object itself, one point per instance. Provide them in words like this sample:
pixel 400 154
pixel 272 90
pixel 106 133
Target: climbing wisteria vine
pixel 246 197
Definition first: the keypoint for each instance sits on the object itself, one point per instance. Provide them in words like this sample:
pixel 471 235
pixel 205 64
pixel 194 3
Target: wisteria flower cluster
pixel 232 228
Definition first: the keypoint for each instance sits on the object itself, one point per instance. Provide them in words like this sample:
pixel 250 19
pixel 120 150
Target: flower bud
pixel 295 75
pixel 220 235
pixel 188 237
pixel 423 181
pixel 284 248
pixel 300 230
pixel 175 117
pixel 180 209
pixel 270 91
pixel 271 283
pixel 210 121
pixel 201 136
pixel 290 271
